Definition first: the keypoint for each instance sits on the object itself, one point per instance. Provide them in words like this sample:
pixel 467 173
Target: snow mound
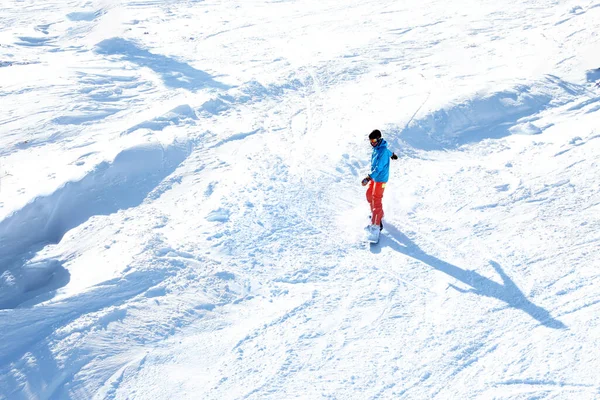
pixel 489 115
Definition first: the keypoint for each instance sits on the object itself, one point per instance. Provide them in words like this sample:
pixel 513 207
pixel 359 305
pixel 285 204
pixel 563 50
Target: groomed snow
pixel 181 215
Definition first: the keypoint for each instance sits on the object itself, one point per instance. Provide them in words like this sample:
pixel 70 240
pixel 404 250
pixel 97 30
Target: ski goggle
pixel 374 141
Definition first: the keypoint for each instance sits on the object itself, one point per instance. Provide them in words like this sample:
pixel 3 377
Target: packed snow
pixel 181 215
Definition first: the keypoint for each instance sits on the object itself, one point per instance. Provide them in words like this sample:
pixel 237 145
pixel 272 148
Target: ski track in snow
pixel 181 214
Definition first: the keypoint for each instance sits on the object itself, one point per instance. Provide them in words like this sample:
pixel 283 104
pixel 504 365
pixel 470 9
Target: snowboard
pixel 375 238
pixel 372 239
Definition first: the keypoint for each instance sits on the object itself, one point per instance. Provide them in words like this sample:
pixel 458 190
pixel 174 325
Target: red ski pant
pixel 374 197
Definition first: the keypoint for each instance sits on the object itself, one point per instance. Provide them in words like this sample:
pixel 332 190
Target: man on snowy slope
pixel 377 179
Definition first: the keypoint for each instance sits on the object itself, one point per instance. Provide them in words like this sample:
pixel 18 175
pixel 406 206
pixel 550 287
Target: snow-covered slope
pixel 181 212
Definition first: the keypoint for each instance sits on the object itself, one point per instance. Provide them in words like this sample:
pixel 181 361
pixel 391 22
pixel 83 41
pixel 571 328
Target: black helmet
pixel 375 134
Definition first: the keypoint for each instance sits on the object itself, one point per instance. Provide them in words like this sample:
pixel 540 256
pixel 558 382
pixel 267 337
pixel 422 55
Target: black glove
pixel 394 156
pixel 365 181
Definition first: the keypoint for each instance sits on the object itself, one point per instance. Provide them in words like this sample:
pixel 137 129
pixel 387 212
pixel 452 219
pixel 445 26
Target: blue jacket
pixel 380 162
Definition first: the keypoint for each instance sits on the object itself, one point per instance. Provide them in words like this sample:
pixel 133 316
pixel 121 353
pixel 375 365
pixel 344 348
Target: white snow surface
pixel 181 215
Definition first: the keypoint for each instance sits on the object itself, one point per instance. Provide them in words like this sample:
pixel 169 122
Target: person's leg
pixel 370 196
pixel 376 203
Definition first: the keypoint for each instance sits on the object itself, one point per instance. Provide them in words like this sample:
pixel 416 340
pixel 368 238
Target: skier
pixel 377 180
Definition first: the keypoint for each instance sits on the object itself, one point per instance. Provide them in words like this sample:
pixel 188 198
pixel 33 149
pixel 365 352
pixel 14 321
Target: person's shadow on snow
pixel 507 292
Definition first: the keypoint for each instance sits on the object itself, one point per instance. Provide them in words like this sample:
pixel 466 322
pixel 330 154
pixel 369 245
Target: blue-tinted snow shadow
pixel 33 283
pixel 28 332
pixel 29 377
pixel 134 175
pixel 175 74
pixel 87 16
pixel 593 75
pixel 507 292
pixel 485 115
pixel 434 133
